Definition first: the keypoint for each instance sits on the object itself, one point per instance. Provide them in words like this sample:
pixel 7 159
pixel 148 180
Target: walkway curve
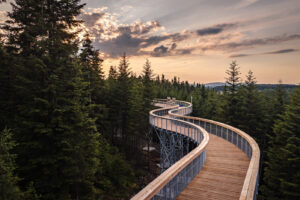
pixel 170 183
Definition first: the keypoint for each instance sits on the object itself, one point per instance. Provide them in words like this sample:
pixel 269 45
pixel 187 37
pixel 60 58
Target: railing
pixel 241 140
pixel 170 183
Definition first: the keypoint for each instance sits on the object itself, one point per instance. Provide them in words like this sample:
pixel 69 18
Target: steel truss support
pixel 173 146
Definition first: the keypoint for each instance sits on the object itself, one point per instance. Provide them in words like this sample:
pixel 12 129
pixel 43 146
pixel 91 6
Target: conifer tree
pixel 231 94
pixel 124 84
pixel 282 179
pixel 112 102
pixel 251 117
pixel 148 91
pixel 93 75
pixel 58 139
pixel 279 101
pixel 8 180
pixel 8 75
pixel 136 120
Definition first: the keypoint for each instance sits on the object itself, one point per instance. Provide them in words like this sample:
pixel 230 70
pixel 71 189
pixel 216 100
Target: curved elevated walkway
pixel 224 165
pixel 223 174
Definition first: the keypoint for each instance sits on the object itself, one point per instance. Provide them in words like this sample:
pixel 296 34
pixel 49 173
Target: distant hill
pixel 214 84
pixel 219 86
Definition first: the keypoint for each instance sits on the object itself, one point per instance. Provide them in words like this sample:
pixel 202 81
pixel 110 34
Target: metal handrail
pixel 175 112
pixel 240 139
pixel 170 183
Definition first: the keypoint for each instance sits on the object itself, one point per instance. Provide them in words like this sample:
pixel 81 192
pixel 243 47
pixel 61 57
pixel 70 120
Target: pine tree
pixel 280 99
pixel 251 117
pixel 123 87
pixel 231 94
pixel 8 180
pixel 93 75
pixel 112 103
pixel 136 120
pixel 282 179
pixel 58 139
pixel 148 91
pixel 9 64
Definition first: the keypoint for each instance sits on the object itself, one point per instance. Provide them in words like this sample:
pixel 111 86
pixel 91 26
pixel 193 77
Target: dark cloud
pixel 184 51
pixel 139 28
pixel 282 51
pixel 132 44
pixel 137 38
pixel 91 19
pixel 233 46
pixel 216 29
pixel 239 55
pixel 271 52
pixel 162 50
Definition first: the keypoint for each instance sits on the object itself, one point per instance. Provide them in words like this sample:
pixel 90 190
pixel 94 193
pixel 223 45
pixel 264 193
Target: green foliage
pixel 251 113
pixel 231 95
pixel 56 100
pixel 282 170
pixel 58 139
pixel 115 178
pixel 8 180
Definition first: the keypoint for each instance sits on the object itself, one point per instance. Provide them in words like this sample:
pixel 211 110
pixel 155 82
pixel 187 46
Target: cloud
pixel 134 45
pixel 163 50
pixel 234 46
pixel 245 3
pixel 150 38
pixel 90 19
pixel 282 51
pixel 216 29
pixel 126 8
pixel 170 50
pixel 239 55
pixel 3 17
pixel 139 27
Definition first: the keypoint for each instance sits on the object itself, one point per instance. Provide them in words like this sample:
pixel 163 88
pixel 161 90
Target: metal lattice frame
pixel 173 146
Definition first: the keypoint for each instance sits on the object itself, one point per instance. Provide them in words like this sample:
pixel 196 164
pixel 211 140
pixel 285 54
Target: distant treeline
pixel 271 115
pixel 287 87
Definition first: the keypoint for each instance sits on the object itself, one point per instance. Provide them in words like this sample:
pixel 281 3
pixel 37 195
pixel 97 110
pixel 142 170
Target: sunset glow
pixel 196 40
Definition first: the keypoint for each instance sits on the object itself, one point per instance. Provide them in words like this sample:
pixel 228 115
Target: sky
pixel 196 40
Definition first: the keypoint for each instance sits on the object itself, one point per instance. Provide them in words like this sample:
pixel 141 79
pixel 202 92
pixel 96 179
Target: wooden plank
pixel 228 173
pixel 221 177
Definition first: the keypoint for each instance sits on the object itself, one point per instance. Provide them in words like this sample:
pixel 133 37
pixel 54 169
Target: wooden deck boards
pixel 223 174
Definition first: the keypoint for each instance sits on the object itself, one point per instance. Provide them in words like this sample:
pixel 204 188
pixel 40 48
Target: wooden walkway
pixel 223 174
pixel 227 173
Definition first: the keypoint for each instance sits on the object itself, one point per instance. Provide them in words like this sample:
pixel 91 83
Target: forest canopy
pixel 67 131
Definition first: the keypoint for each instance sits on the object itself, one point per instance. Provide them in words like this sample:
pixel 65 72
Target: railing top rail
pixel 253 169
pixel 158 183
pixel 248 190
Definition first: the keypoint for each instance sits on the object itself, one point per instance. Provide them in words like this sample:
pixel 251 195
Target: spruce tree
pixel 123 87
pixel 148 91
pixel 58 139
pixel 231 94
pixel 279 101
pixel 93 75
pixel 251 116
pixel 282 179
pixel 9 65
pixel 8 180
pixel 112 103
pixel 136 120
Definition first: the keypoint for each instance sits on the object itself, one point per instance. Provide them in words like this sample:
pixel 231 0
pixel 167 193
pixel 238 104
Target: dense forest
pixel 67 131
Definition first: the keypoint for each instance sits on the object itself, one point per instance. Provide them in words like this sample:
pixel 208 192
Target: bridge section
pixel 224 165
